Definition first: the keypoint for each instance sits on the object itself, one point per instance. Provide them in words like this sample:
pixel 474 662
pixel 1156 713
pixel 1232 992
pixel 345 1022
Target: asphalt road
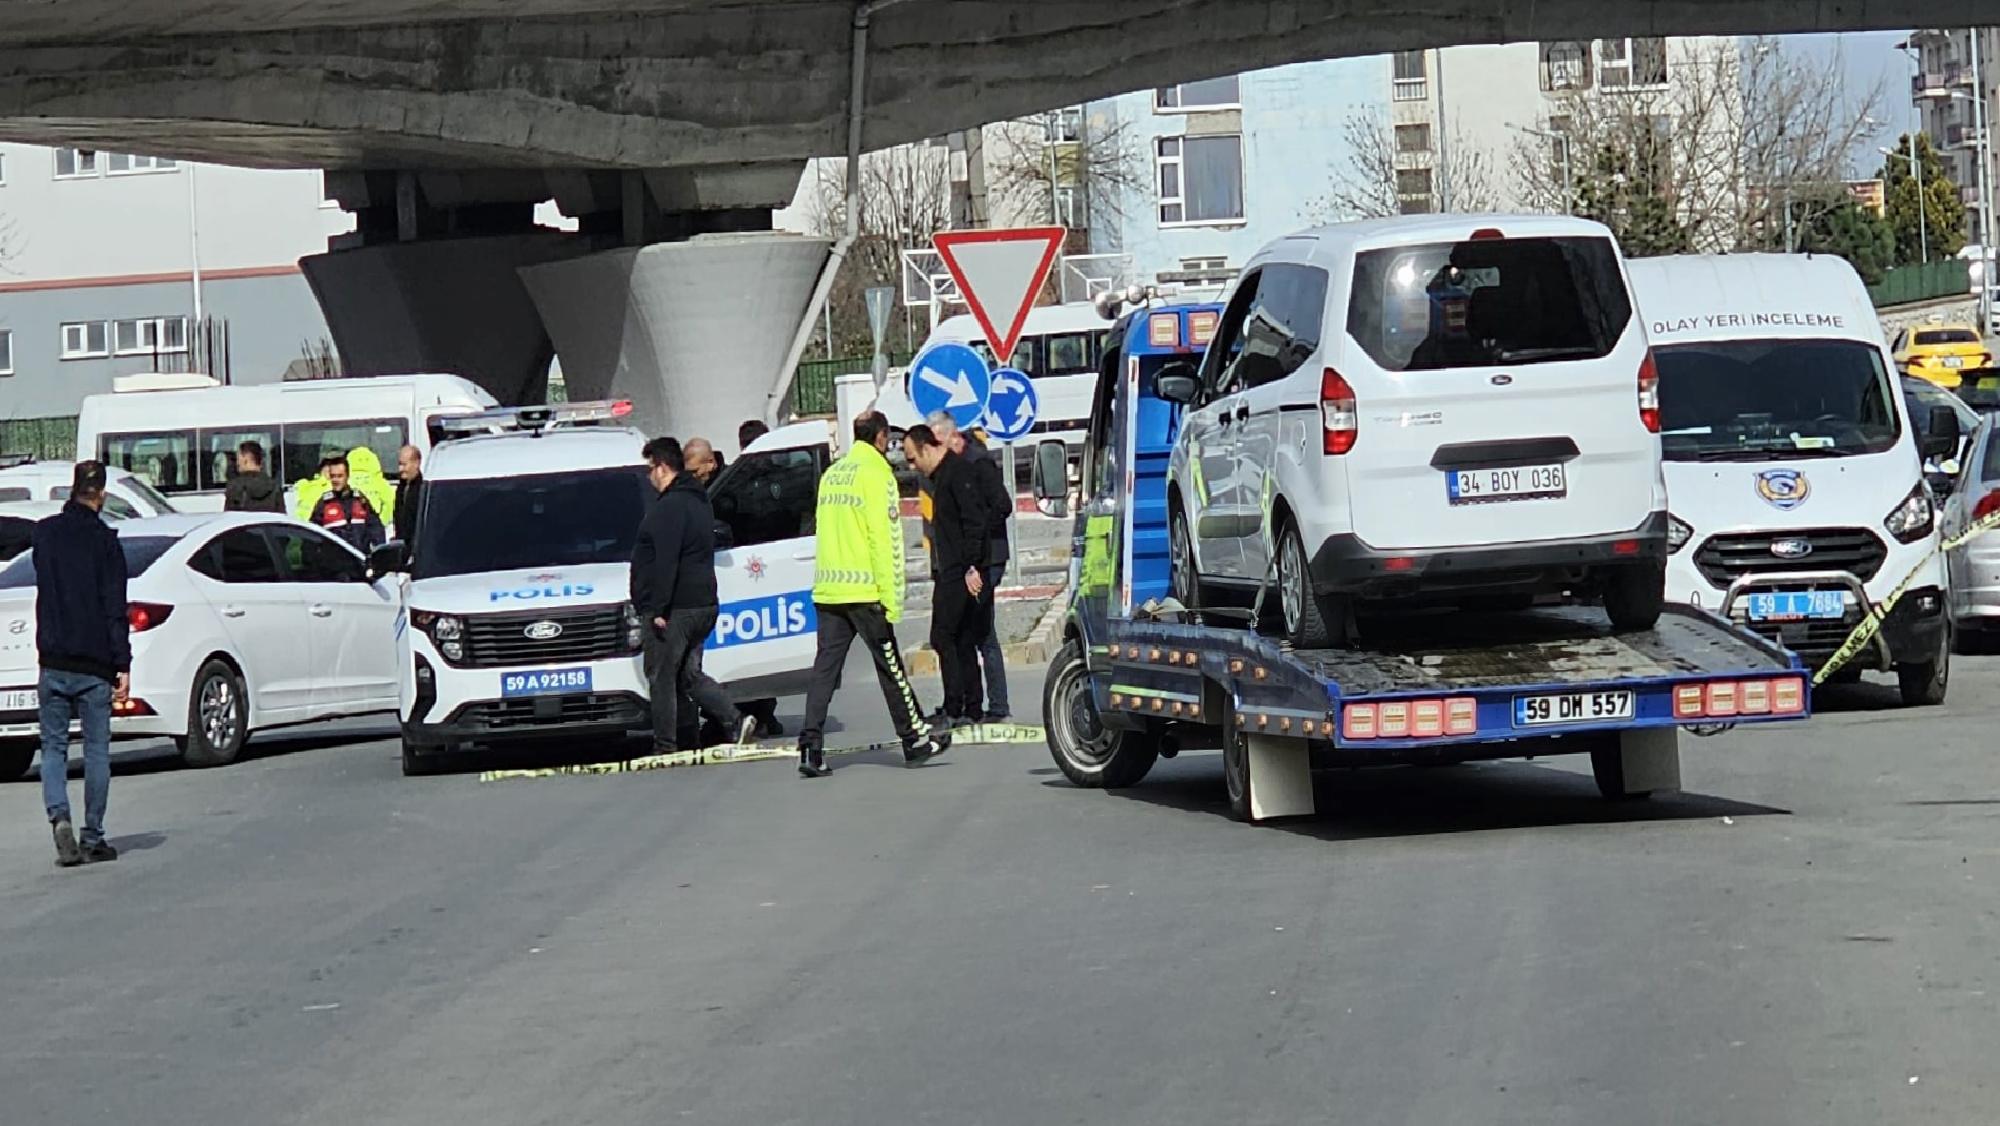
pixel 1807 936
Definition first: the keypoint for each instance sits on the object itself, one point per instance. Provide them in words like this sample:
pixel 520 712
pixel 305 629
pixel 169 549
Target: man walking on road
pixel 85 650
pixel 962 610
pixel 252 489
pixel 858 592
pixel 673 588
pixel 968 445
pixel 409 492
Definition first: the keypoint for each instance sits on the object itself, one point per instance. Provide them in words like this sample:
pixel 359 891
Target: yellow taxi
pixel 1941 353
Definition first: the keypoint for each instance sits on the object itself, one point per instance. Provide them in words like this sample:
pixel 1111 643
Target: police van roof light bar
pixel 541 417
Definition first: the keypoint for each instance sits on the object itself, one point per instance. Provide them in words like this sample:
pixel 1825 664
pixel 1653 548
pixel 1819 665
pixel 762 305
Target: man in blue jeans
pixel 85 647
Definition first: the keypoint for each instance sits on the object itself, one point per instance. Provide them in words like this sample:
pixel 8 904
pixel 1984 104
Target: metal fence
pixel 1906 285
pixel 45 439
pixel 812 388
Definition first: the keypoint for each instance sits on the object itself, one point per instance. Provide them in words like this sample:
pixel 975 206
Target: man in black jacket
pixel 85 650
pixel 968 445
pixel 252 489
pixel 962 602
pixel 673 588
pixel 409 493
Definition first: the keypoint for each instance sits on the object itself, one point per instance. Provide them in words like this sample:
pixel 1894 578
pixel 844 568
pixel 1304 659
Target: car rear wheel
pixel 1634 595
pixel 218 717
pixel 1312 620
pixel 1184 582
pixel 15 755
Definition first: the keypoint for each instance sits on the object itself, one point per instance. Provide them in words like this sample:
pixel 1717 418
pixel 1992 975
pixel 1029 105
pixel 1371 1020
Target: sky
pixel 1866 58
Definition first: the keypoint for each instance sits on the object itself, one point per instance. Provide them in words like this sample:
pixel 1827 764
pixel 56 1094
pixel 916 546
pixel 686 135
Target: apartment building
pixel 1954 92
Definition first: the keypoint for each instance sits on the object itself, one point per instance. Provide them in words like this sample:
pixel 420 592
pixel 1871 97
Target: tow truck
pixel 1139 677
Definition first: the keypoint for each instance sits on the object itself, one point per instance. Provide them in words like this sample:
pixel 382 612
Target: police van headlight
pixel 1912 519
pixel 635 630
pixel 445 631
pixel 447 628
pixel 1679 532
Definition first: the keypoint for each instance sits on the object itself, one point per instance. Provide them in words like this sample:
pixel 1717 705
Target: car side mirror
pixel 1049 477
pixel 1177 383
pixel 1942 441
pixel 392 558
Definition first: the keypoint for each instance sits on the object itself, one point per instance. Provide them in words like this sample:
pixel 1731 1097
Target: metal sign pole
pixel 1013 517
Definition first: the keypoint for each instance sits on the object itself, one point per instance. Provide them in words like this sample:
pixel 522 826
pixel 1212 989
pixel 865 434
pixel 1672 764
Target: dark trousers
pixel 673 670
pixel 990 656
pixel 959 624
pixel 839 625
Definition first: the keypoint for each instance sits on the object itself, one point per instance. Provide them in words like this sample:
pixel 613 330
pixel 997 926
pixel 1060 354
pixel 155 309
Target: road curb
pixel 1037 647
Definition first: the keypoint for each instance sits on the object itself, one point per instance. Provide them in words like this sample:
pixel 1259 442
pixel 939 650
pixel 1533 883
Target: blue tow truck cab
pixel 1136 681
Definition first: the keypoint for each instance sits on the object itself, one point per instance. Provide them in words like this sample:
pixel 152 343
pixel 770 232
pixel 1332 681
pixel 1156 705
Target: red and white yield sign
pixel 999 273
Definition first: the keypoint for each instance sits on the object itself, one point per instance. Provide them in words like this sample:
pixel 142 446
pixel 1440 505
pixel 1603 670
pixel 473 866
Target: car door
pixel 764 571
pixel 1280 333
pixel 264 616
pixel 353 621
pixel 1216 493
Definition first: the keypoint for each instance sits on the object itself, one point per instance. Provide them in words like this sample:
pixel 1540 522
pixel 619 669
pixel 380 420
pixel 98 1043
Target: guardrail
pixel 812 387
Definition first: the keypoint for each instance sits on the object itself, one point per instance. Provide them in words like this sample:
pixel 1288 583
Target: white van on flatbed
pixel 1794 476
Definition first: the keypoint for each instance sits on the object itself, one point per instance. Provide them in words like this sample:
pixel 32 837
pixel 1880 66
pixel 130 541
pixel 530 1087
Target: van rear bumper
pixel 1346 564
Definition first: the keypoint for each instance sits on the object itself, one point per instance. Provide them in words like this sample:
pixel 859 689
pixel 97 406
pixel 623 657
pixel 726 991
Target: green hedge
pixel 812 390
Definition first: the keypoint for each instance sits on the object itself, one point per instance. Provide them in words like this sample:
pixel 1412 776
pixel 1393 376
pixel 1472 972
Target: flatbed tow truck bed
pixel 1132 684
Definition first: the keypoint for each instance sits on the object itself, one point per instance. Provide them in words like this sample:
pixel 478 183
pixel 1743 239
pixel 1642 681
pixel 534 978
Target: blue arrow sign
pixel 950 378
pixel 1012 405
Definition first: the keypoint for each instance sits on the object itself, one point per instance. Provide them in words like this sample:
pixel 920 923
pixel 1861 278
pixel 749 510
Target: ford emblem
pixel 1791 549
pixel 543 631
pixel 1502 380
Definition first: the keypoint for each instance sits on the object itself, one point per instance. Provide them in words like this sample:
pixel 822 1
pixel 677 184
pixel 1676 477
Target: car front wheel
pixel 218 717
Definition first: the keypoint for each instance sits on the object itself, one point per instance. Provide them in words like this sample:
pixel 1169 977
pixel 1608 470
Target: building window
pixel 1212 93
pixel 148 335
pixel 1413 181
pixel 119 164
pixel 1066 125
pixel 85 340
pixel 75 163
pixel 1201 179
pixel 6 351
pixel 1413 138
pixel 1565 66
pixel 1412 76
pixel 1414 205
pixel 1629 64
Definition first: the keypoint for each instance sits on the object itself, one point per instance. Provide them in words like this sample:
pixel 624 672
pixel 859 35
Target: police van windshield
pixel 1753 400
pixel 541 520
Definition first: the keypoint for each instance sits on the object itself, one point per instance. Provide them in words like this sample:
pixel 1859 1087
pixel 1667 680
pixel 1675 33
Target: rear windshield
pixel 543 520
pixel 1488 302
pixel 1753 400
pixel 1948 336
pixel 140 552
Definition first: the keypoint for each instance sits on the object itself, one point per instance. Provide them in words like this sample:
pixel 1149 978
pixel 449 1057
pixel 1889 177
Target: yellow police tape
pixel 976 735
pixel 1872 624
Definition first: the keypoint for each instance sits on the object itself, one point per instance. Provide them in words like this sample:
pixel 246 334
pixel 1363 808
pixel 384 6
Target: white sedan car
pixel 240 622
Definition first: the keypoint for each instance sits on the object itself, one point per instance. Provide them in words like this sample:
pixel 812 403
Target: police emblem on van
pixel 1783 489
pixel 542 631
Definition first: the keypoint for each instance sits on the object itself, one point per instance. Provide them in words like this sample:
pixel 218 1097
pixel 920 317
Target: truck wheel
pixel 1923 685
pixel 218 717
pixel 1183 581
pixel 1236 777
pixel 1312 620
pixel 1088 753
pixel 1634 594
pixel 1607 766
pixel 15 755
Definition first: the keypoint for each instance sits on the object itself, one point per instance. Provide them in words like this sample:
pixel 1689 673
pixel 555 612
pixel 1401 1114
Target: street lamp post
pixel 1985 152
pixel 1916 167
pixel 1562 158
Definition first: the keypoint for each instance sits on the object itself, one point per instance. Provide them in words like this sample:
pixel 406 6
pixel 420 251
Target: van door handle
pixel 1243 412
pixel 321 610
pixel 232 611
pixel 805 556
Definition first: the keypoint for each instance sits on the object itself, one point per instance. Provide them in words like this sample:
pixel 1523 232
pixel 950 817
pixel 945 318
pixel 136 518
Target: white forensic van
pixel 518 624
pixel 1794 475
pixel 179 433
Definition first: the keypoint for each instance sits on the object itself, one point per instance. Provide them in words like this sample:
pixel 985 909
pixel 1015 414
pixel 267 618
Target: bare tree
pixel 905 198
pixel 1391 175
pixel 1098 158
pixel 1739 137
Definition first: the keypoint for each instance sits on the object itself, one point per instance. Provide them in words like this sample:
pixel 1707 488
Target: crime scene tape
pixel 976 735
pixel 1872 624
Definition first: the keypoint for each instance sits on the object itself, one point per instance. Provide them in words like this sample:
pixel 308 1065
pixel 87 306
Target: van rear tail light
pixel 1649 393
pixel 1395 719
pixel 1201 328
pixel 1788 696
pixel 1410 719
pixel 1163 330
pixel 1727 699
pixel 1987 506
pixel 1687 701
pixel 1753 697
pixel 1338 410
pixel 1429 719
pixel 1357 721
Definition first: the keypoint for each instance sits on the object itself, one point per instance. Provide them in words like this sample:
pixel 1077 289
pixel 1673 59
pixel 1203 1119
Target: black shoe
pixel 959 721
pixel 98 852
pixel 67 854
pixel 920 751
pixel 812 763
pixel 770 728
pixel 746 729
pixel 995 717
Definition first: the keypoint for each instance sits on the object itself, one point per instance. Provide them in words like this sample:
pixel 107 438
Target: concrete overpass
pixel 657 122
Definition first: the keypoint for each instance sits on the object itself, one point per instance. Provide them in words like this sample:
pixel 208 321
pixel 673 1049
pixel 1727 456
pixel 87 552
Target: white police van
pixel 517 622
pixel 1794 470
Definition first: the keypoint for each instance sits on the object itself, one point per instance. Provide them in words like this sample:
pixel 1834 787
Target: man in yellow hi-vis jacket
pixel 858 592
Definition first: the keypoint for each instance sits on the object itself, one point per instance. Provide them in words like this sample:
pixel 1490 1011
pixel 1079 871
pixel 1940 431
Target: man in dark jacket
pixel 347 513
pixel 673 588
pixel 962 602
pixel 409 492
pixel 252 489
pixel 969 445
pixel 85 651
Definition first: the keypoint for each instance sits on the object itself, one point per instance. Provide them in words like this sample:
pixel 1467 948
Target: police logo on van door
pixel 1783 489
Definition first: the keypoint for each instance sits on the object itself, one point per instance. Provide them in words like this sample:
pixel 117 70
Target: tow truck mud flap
pixel 1280 778
pixel 1648 762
